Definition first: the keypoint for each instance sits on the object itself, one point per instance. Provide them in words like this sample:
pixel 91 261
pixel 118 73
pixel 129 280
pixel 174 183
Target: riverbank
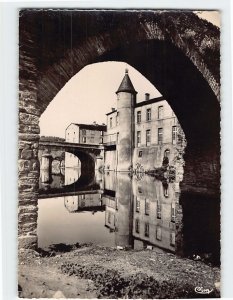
pixel 89 271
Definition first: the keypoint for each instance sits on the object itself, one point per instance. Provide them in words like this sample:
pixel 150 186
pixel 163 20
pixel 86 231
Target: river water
pixel 128 211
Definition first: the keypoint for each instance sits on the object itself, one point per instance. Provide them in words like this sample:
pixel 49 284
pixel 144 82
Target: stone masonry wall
pixel 28 143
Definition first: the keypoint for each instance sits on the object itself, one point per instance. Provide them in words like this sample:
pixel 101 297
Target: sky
pixel 90 94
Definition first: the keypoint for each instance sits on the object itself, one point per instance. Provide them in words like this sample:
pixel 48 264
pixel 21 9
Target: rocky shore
pixel 89 271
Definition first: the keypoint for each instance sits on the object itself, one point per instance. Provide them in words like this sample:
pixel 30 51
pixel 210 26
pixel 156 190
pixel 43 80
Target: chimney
pixel 113 109
pixel 94 123
pixel 147 96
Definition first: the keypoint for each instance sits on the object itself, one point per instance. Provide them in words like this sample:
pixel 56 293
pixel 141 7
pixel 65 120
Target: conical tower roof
pixel 126 85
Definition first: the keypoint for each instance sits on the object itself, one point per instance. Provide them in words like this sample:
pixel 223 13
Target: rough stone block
pixel 28 137
pixel 27 217
pixel 26 154
pixel 27 242
pixel 27 209
pixel 28 228
pixel 28 119
pixel 24 165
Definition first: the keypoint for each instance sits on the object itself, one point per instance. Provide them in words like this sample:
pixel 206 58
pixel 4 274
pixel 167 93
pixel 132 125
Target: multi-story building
pixel 82 134
pixel 141 134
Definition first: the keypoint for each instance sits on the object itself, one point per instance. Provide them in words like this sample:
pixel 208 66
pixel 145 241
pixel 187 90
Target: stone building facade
pixel 141 135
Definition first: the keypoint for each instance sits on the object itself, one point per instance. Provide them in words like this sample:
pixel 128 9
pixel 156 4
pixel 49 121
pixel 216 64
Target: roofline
pixel 95 126
pixel 126 91
pixel 150 101
pixel 111 112
pixel 145 102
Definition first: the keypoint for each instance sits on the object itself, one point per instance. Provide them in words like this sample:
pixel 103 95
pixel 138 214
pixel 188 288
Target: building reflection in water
pixel 144 212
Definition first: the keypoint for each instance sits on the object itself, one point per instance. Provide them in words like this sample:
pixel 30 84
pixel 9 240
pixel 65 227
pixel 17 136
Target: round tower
pixel 126 100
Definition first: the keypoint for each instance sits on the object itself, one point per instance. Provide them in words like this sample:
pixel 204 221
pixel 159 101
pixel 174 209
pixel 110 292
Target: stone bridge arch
pixel 176 51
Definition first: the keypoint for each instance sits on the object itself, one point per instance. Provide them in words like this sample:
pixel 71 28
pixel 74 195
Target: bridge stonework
pixel 183 55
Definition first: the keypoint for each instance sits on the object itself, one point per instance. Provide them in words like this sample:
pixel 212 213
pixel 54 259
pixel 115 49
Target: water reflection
pixel 130 212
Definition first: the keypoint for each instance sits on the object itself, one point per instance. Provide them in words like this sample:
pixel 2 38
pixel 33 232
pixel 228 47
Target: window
pixel 148 137
pixel 147 207
pixel 158 210
pixel 137 226
pixel 117 118
pixel 138 138
pixel 167 153
pixel 101 133
pixel 140 153
pixel 101 140
pixel 116 203
pixel 158 233
pixel 84 139
pixel 110 122
pixel 147 229
pixel 165 189
pixel 172 238
pixel 160 135
pixel 139 117
pixel 148 114
pixel 174 134
pixel 109 217
pixel 160 112
pixel 84 131
pixel 92 139
pixel 117 137
pixel 173 212
pixel 137 205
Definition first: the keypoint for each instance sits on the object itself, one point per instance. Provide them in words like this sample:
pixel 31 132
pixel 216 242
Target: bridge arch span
pixel 87 160
pixel 176 51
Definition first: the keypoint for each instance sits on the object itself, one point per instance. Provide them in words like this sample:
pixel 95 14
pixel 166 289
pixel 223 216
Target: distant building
pixel 82 134
pixel 85 202
pixel 140 135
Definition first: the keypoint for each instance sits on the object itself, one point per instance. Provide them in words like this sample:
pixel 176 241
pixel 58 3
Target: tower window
pixel 158 210
pixel 138 138
pixel 137 226
pixel 84 131
pixel 137 205
pixel 174 134
pixel 160 135
pixel 158 233
pixel 147 229
pixel 148 137
pixel 160 112
pixel 147 207
pixel 172 238
pixel 173 212
pixel 140 153
pixel 84 139
pixel 139 117
pixel 110 122
pixel 148 114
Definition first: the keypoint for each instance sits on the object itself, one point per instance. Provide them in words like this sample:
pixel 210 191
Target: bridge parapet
pixel 67 145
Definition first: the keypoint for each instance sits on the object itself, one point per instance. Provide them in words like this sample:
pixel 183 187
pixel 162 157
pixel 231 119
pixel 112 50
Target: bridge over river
pixel 91 156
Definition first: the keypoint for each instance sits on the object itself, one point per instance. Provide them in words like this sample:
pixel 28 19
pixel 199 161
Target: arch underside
pixel 178 52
